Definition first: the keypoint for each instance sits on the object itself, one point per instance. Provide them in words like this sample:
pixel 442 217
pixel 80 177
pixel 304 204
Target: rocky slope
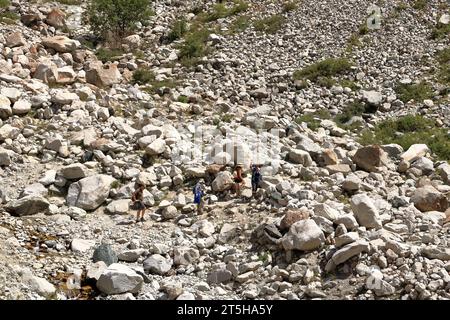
pixel 334 219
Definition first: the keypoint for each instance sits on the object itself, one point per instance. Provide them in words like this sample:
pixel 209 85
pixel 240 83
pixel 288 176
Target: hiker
pixel 238 179
pixel 256 177
pixel 198 195
pixel 138 202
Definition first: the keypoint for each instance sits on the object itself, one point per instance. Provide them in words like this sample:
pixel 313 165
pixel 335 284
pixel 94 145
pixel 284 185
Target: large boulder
pixel 74 171
pixel 303 235
pixel 39 285
pixel 347 252
pixel 28 205
pixel 370 158
pixel 365 211
pixel 372 97
pixel 157 264
pixel 21 107
pixel 292 216
pixel 185 255
pixel 300 157
pixel 105 253
pixel 56 18
pixel 118 278
pixel 36 189
pixel 427 198
pixel 89 193
pixel 222 182
pixel 415 152
pixel 103 75
pixel 156 147
pixel 46 71
pixel 121 206
pixel 61 44
pixel 15 39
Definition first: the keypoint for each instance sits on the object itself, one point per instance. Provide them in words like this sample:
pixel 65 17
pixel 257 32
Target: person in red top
pixel 138 201
pixel 238 179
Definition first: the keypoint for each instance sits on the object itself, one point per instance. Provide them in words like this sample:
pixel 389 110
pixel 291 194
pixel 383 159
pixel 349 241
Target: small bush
pixel 321 72
pixel 289 6
pixel 417 92
pixel 178 30
pixel 105 54
pixel 349 84
pixel 409 130
pixel 443 56
pixel 68 2
pixel 194 46
pixel 356 108
pixel 143 76
pixel 117 17
pixel 227 117
pixel 270 24
pixel 313 119
pixel 363 29
pixel 154 86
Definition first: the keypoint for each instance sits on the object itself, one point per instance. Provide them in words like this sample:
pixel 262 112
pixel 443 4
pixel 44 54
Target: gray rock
pixel 346 253
pixel 303 235
pixel 74 171
pixel 118 278
pixel 105 253
pixel 36 189
pixel 219 276
pixel 365 211
pixel 185 255
pixel 89 193
pixel 81 245
pixel 428 198
pixel 28 205
pixel 157 264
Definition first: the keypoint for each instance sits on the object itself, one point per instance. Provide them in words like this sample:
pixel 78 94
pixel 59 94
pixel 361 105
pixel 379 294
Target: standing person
pixel 198 196
pixel 256 177
pixel 138 201
pixel 238 179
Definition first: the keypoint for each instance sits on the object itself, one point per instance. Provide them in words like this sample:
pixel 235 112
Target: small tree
pixel 117 19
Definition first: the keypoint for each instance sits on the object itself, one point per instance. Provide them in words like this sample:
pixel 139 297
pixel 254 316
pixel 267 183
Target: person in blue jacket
pixel 198 196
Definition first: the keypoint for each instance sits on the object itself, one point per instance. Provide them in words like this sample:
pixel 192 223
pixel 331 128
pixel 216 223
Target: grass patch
pixel 417 92
pixel 323 71
pixel 220 11
pixel 349 84
pixel 4 3
pixel 154 86
pixel 270 24
pixel 363 29
pixel 313 119
pixel 9 18
pixel 409 130
pixel 105 54
pixel 443 57
pixel 178 30
pixel 240 24
pixel 227 117
pixel 419 4
pixel 289 6
pixel 440 31
pixel 183 99
pixel 143 76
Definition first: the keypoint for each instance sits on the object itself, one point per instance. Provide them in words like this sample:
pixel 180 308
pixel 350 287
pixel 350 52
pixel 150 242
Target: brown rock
pixel 15 39
pixel 103 75
pixel 61 44
pixel 30 19
pixel 56 18
pixel 329 157
pixel 47 71
pixel 292 217
pixel 339 168
pixel 370 158
pixel 427 198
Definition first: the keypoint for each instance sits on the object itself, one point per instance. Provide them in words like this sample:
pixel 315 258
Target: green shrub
pixel 313 119
pixel 178 29
pixel 417 92
pixel 68 2
pixel 240 24
pixel 349 84
pixel 356 108
pixel 289 6
pixel 409 130
pixel 4 3
pixel 105 54
pixel 118 17
pixel 143 76
pixel 440 31
pixel 154 86
pixel 443 56
pixel 363 29
pixel 270 24
pixel 323 71
pixel 194 47
pixel 9 18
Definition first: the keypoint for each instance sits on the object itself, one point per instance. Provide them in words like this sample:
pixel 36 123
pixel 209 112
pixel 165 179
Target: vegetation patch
pixel 9 18
pixel 178 30
pixel 313 119
pixel 143 76
pixel 105 54
pixel 194 47
pixel 220 11
pixel 356 108
pixel 239 24
pixel 417 92
pixel 270 24
pixel 323 71
pixel 4 3
pixel 68 2
pixel 419 4
pixel 440 31
pixel 289 6
pixel 409 130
